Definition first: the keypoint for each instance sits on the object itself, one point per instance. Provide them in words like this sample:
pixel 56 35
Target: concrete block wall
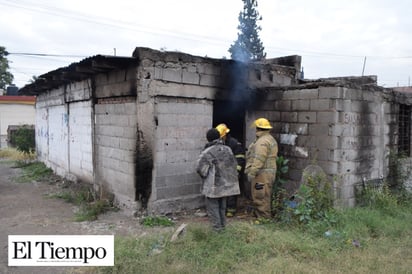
pixel 120 82
pixel 179 74
pixel 79 91
pixel 63 131
pixel 52 130
pixel 81 140
pixel 178 91
pixel 175 109
pixel 343 130
pixel 180 133
pixel 58 137
pixel 115 148
pixel 42 133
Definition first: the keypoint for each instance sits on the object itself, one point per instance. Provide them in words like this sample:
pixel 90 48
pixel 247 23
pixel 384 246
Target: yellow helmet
pixel 262 123
pixel 223 129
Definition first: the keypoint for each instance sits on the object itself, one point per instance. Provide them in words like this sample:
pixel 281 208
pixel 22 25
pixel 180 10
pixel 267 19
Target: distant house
pixel 134 126
pixel 14 111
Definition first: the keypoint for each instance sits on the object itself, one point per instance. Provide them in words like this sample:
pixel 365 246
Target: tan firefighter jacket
pixel 261 156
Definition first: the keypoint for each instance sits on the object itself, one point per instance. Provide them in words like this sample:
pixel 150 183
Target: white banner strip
pixel 61 250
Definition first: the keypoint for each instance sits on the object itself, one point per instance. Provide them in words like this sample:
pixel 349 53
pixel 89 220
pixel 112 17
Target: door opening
pixel 232 114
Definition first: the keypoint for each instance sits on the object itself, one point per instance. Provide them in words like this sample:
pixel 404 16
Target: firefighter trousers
pixel 261 189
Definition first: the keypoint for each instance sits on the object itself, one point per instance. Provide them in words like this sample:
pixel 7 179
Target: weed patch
pixel 32 171
pixel 152 221
pixel 91 211
pixel 83 196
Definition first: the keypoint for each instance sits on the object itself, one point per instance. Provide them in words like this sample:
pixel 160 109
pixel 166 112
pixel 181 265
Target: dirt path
pixel 26 209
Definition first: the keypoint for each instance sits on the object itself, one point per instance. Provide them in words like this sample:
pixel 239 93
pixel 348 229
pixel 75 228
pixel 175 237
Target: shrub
pixel 312 206
pixel 24 139
pixel 278 190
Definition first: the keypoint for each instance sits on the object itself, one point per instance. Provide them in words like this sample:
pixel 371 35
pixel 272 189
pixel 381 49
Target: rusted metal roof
pixel 77 72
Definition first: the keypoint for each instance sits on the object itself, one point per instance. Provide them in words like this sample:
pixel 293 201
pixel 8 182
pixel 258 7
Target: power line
pixel 114 23
pixel 47 55
pixel 120 24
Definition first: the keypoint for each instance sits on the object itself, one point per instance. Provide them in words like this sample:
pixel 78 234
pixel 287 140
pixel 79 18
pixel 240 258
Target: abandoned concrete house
pixel 134 126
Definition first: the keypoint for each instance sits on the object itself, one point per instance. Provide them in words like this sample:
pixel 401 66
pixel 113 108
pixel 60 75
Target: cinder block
pixel 307 117
pixel 348 167
pixel 352 94
pixel 329 142
pixel 127 144
pixel 330 168
pixel 300 105
pixel 300 128
pixel 307 141
pixel 320 104
pixel 283 105
pixel 289 117
pixel 342 130
pixel 209 80
pixel 190 78
pixel 330 92
pixel 267 105
pixel 319 130
pixel 372 96
pixel 301 94
pixel 327 117
pixel 208 68
pixel 172 75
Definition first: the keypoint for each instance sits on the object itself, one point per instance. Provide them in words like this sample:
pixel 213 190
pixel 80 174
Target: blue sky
pixel 332 36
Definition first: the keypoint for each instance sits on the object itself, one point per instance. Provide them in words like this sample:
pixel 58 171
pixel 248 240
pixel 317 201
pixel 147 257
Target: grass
pixel 15 155
pixel 385 246
pixel 32 171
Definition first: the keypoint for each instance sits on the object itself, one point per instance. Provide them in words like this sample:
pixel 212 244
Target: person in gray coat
pixel 216 166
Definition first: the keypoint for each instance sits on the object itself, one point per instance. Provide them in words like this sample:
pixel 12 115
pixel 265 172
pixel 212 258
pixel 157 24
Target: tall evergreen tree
pixel 6 78
pixel 248 45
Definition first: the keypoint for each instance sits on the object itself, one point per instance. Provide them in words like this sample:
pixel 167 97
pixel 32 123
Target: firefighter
pixel 239 153
pixel 261 167
pixel 217 167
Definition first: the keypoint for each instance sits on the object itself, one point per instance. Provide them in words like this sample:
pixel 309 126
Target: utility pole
pixel 364 63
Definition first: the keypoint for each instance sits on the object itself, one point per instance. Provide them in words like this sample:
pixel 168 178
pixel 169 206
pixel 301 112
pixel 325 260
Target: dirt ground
pixel 27 209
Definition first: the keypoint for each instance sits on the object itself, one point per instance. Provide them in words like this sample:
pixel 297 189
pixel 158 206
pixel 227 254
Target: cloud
pixel 333 37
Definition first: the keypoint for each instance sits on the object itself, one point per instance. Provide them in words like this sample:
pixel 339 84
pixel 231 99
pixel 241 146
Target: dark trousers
pixel 232 203
pixel 216 210
pixel 232 200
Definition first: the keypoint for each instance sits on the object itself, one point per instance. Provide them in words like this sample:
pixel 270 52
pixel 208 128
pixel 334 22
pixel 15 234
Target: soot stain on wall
pixel 144 167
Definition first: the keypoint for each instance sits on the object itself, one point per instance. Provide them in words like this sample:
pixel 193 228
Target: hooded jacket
pixel 217 167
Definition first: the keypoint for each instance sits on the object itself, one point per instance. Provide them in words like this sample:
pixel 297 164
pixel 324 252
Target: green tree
pixel 6 78
pixel 248 45
pixel 33 79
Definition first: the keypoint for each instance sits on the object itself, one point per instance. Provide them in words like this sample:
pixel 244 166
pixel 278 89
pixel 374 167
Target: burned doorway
pixel 231 113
